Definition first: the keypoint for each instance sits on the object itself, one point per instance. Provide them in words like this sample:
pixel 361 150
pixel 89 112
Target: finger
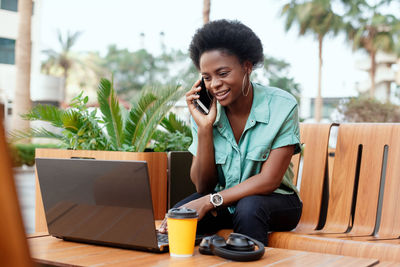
pixel 163 230
pixel 189 102
pixel 195 88
pixel 213 109
pixel 163 223
pixel 193 91
pixel 163 227
pixel 191 97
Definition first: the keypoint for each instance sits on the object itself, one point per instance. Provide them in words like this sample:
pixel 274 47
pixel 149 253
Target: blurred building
pixel 44 89
pixel 329 108
pixel 387 76
pixel 387 83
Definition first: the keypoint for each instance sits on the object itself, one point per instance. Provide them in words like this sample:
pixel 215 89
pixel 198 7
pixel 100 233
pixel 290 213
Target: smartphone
pixel 204 102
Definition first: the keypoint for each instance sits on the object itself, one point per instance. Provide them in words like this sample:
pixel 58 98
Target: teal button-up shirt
pixel 272 123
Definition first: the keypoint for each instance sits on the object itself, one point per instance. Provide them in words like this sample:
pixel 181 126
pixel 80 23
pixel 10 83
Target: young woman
pixel 242 148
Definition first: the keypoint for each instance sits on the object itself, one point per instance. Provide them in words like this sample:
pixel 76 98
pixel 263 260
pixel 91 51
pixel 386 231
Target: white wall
pixel 305 107
pixel 46 88
pixel 7 80
pixel 9 22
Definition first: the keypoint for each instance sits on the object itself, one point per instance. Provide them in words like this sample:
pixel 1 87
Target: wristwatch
pixel 216 199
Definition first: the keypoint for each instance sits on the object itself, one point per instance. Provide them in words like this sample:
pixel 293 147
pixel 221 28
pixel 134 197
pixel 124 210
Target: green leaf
pixel 165 101
pixel 47 113
pixel 134 124
pixel 172 124
pixel 72 120
pixel 34 133
pixel 111 111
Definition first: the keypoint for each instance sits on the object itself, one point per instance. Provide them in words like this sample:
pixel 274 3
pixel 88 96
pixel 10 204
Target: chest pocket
pixel 258 153
pixel 220 158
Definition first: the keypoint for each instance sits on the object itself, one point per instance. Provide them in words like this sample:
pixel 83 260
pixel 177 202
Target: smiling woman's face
pixel 223 75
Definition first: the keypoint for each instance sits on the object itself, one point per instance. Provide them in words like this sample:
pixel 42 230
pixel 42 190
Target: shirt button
pixel 264 156
pixel 220 125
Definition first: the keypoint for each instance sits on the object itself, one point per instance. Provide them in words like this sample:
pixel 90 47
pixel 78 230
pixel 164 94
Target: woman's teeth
pixel 222 95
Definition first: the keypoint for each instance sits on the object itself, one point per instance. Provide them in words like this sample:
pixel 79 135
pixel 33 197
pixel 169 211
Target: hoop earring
pixel 248 84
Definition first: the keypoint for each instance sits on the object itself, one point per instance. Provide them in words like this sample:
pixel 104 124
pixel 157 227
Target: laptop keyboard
pixel 162 238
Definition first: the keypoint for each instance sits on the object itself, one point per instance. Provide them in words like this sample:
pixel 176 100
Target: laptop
pixel 100 201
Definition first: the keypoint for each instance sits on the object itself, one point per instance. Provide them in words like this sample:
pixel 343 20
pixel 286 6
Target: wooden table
pixel 54 251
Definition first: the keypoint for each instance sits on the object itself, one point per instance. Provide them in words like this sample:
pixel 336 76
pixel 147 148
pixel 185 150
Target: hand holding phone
pixel 203 103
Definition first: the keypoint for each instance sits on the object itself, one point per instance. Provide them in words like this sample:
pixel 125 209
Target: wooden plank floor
pixel 50 250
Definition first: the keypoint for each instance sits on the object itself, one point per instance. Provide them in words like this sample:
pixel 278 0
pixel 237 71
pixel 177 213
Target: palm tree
pixel 315 17
pixel 22 96
pixel 372 33
pixel 62 59
pixel 206 11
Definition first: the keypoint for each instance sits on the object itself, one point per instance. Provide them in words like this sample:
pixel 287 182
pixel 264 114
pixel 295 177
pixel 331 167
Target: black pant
pixel 254 216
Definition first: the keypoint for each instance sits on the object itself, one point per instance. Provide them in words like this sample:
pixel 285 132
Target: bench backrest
pixel 314 138
pixel 389 222
pixel 355 187
pixel 13 246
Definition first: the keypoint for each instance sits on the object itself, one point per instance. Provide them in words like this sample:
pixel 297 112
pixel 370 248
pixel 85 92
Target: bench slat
pixel 314 138
pixel 390 222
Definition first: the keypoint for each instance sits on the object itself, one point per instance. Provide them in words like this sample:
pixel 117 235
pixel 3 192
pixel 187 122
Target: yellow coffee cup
pixel 182 224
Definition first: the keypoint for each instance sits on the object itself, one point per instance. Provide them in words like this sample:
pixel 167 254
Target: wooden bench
pixel 363 208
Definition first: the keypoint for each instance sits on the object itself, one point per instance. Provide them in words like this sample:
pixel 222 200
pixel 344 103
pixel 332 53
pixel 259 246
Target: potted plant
pixel 118 134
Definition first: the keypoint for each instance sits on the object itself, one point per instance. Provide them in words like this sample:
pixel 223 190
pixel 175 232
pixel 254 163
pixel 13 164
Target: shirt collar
pixel 219 111
pixel 259 108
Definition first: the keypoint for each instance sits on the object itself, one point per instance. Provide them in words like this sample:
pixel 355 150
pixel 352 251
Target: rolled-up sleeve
pixel 289 133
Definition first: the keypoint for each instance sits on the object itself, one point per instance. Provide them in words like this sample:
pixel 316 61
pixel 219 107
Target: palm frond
pixel 358 38
pixel 47 113
pixel 60 38
pixel 134 126
pixel 111 111
pixel 172 124
pixel 34 133
pixel 154 115
pixel 72 120
pixel 384 42
pixel 290 14
pixel 72 38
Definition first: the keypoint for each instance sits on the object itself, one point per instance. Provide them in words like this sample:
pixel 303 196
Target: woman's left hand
pixel 201 205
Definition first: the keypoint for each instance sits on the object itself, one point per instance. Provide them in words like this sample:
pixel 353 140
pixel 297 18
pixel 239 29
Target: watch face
pixel 217 199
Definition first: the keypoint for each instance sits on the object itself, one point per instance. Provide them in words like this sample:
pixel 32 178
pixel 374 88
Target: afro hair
pixel 232 37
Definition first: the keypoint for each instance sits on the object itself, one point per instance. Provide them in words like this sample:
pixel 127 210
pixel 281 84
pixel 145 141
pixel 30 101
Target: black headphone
pixel 237 247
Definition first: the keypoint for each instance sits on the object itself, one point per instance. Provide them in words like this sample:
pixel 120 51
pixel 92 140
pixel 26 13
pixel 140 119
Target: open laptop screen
pixel 98 201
